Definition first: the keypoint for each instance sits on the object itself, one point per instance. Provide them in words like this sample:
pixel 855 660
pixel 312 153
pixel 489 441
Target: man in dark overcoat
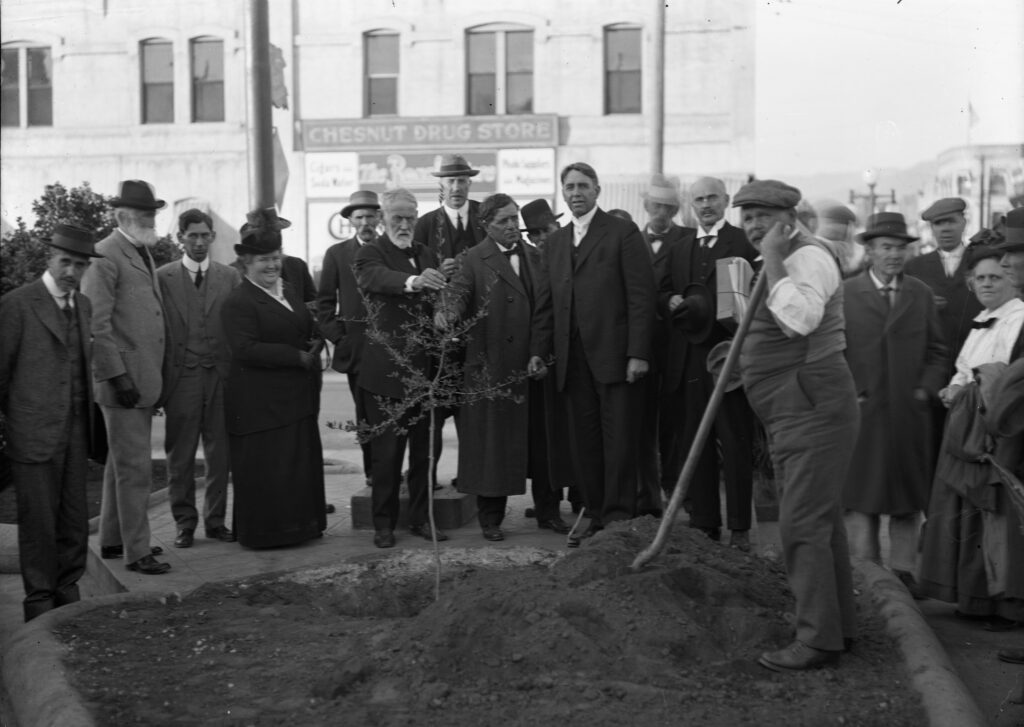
pixel 502 288
pixel 687 296
pixel 340 304
pixel 602 293
pixel 397 275
pixel 898 358
pixel 46 400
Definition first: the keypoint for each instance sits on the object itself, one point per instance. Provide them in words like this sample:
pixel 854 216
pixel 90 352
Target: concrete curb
pixel 944 696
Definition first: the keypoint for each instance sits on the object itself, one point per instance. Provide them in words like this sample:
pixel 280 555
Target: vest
pixel 767 350
pixel 76 365
pixel 198 347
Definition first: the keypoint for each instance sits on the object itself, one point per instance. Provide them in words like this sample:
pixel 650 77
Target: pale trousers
pixel 863 532
pixel 127 479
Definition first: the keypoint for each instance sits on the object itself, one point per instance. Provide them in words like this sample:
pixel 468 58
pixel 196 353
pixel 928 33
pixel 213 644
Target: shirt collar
pixel 956 252
pixel 53 289
pixel 193 267
pixel 586 219
pixel 713 232
pixel 893 284
pixel 1005 309
pixel 275 292
pixel 453 214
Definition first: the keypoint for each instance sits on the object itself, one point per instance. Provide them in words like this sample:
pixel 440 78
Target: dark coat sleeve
pixel 374 275
pixel 936 359
pixel 240 316
pixel 542 324
pixel 332 327
pixel 639 286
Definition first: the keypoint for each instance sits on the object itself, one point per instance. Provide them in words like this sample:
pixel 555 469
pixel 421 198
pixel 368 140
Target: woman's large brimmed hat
pixel 138 195
pixel 1013 232
pixel 455 165
pixel 886 224
pixel 74 239
pixel 261 234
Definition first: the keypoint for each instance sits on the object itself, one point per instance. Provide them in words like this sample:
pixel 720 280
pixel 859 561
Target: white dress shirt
pixel 712 233
pixel 989 345
pixel 455 214
pixel 951 260
pixel 797 302
pixel 893 285
pixel 193 267
pixel 581 225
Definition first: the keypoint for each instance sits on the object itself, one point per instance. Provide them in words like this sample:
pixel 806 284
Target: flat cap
pixel 943 207
pixel 767 193
pixel 837 213
pixel 1013 232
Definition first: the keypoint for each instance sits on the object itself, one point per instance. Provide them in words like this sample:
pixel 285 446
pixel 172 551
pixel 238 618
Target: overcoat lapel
pixel 500 264
pixel 595 233
pixel 48 312
pixel 869 297
pixel 904 300
pixel 177 291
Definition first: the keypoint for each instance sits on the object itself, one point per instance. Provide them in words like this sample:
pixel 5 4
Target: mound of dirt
pixel 516 638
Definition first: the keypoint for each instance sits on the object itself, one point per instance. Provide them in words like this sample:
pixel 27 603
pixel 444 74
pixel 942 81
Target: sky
pixel 855 84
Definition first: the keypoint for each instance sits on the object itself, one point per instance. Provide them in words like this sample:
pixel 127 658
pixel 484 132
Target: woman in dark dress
pixel 272 398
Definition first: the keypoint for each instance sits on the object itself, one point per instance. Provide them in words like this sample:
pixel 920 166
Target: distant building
pixel 989 177
pixel 369 96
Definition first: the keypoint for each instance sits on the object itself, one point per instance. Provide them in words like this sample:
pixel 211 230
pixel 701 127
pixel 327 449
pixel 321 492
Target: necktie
pixel 66 308
pixel 887 292
pixel 146 259
pixel 705 241
pixel 459 227
pixel 199 277
pixel 983 324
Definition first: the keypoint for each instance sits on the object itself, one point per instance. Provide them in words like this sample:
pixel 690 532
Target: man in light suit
pixel 128 353
pixel 196 363
pixel 688 281
pixel 46 399
pixel 340 306
pixel 602 292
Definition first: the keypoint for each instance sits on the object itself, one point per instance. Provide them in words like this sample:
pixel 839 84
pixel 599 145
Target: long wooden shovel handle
pixel 703 431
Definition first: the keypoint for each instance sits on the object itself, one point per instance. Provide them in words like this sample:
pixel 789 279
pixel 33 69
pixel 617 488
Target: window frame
pixel 608 72
pixel 500 73
pixel 143 85
pixel 195 85
pixel 370 76
pixel 25 87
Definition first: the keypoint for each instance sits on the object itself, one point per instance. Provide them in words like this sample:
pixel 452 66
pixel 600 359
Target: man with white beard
pixel 128 352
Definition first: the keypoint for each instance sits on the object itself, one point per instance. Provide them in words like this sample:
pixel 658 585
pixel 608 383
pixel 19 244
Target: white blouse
pixel 992 344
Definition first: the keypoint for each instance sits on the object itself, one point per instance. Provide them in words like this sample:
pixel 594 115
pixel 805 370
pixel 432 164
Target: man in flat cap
pixel 128 354
pixel 397 276
pixel 46 399
pixel 837 224
pixel 688 384
pixel 340 304
pixel 798 383
pixel 603 299
pixel 898 357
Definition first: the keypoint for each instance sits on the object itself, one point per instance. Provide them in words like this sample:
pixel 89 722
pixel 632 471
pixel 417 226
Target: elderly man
pixel 196 363
pixel 687 297
pixel 398 276
pixel 128 354
pixel 340 304
pixel 502 290
pixel 898 358
pixel 603 297
pixel 46 398
pixel 799 385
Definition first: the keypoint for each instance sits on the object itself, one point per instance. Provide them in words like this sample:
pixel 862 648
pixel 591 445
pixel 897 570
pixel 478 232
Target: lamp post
pixel 870 178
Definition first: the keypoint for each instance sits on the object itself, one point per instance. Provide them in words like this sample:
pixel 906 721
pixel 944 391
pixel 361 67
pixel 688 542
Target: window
pixel 207 57
pixel 499 70
pixel 381 65
pixel 622 83
pixel 26 87
pixel 157 81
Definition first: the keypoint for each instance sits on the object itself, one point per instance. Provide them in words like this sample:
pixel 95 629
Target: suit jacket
pixel 663 323
pixel 493 432
pixel 35 390
pixel 175 284
pixel 435 230
pixel 611 287
pixel 340 306
pixel 381 272
pixel 267 387
pixel 961 304
pixel 127 322
pixel 680 270
pixel 891 353
pixel 295 272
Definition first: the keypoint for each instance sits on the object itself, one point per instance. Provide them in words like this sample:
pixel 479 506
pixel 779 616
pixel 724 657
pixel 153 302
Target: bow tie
pixel 409 252
pixel 509 251
pixel 983 324
pixel 653 236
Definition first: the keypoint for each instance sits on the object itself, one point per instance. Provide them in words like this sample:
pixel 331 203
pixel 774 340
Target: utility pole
pixel 261 158
pixel 657 115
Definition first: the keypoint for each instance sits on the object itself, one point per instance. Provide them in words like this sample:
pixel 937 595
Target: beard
pixel 142 233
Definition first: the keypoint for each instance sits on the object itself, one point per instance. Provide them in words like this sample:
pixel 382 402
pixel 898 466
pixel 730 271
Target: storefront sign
pixel 332 175
pixel 413 171
pixel 457 132
pixel 526 172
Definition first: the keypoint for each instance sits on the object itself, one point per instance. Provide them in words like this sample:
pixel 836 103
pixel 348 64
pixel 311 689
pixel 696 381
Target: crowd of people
pixel 888 387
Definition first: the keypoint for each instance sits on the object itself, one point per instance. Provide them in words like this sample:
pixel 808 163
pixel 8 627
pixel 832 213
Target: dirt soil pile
pixel 516 638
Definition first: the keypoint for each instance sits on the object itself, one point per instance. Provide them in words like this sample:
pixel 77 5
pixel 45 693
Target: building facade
pixel 368 95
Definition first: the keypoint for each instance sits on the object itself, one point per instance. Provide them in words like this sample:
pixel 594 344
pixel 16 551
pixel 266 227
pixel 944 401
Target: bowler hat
pixel 537 215
pixel 886 224
pixel 769 193
pixel 136 194
pixel 1013 232
pixel 360 199
pixel 696 318
pixel 661 190
pixel 455 165
pixel 943 207
pixel 73 238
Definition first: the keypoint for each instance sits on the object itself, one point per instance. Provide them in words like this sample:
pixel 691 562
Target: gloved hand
pixel 124 389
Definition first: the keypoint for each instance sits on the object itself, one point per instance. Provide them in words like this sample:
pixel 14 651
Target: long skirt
pixel 278 478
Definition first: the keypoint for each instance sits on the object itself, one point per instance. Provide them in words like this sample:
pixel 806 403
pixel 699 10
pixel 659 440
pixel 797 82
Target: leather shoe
pixel 493 533
pixel 384 539
pixel 1011 656
pixel 220 533
pixel 329 508
pixel 117 551
pixel 149 566
pixel 423 531
pixel 555 524
pixel 740 539
pixel 798 656
pixel 185 538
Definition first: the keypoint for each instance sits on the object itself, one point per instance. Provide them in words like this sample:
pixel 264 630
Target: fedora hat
pixel 455 165
pixel 360 199
pixel 136 194
pixel 696 318
pixel 1013 232
pixel 537 215
pixel 886 224
pixel 661 190
pixel 73 238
